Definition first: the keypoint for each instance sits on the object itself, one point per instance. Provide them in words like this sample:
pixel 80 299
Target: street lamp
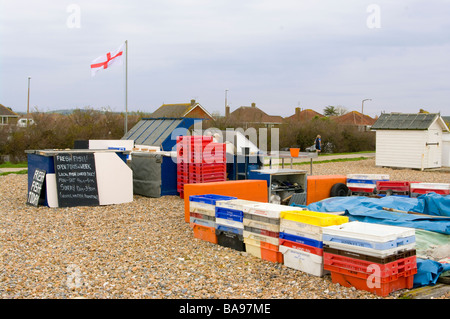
pixel 362 106
pixel 226 104
pixel 226 92
pixel 28 102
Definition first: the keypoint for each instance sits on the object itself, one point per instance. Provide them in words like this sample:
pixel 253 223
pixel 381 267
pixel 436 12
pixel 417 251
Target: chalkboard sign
pixel 76 179
pixel 36 187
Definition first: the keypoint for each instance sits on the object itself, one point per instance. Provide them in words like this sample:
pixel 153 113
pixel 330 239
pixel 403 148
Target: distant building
pixel 7 116
pixel 409 140
pixel 191 110
pixel 304 115
pixel 364 122
pixel 22 122
pixel 252 115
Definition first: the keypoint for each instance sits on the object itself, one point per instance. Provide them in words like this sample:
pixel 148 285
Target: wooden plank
pixel 427 292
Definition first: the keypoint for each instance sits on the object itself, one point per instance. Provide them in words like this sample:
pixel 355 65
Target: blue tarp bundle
pixel 370 210
pixel 428 272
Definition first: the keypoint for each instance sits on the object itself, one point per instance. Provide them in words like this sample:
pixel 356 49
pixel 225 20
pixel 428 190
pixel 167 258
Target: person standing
pixel 318 143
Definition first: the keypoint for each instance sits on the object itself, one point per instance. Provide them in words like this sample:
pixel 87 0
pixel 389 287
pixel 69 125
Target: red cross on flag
pixel 105 61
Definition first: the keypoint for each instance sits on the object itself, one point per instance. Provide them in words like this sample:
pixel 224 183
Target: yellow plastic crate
pixel 314 218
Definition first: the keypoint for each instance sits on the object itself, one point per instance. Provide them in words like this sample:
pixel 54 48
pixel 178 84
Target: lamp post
pixel 362 105
pixel 226 92
pixel 28 101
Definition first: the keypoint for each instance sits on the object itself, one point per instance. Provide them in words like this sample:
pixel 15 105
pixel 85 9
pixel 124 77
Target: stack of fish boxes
pixel 229 222
pixel 199 160
pixel 202 215
pixel 417 189
pixel 373 257
pixel 262 229
pixel 301 240
pixel 364 183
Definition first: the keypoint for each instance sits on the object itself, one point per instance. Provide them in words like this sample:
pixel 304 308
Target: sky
pixel 278 54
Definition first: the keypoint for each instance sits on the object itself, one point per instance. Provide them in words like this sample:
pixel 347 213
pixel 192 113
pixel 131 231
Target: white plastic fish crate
pixel 401 241
pixel 368 235
pixel 229 223
pixel 261 238
pixel 369 231
pixel 302 233
pixel 270 210
pixel 369 251
pixel 301 227
pixel 236 204
pixel 365 183
pixel 303 261
pixel 262 225
pixel 202 208
pixel 424 188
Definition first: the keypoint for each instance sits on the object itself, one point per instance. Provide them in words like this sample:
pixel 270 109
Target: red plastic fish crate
pixel 375 285
pixel 205 178
pixel 302 247
pixel 364 275
pixel 381 270
pixel 195 139
pixel 207 168
pixel 262 231
pixel 394 187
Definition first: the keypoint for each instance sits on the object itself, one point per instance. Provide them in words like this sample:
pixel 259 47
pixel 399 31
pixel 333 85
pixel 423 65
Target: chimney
pixel 297 111
pixel 227 111
pixel 192 102
pixel 253 104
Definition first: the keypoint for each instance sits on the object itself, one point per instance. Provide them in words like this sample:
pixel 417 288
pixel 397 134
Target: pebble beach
pixel 146 250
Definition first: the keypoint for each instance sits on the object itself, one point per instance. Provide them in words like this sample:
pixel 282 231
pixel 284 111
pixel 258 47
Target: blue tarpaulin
pixel 428 272
pixel 374 210
pixel 370 210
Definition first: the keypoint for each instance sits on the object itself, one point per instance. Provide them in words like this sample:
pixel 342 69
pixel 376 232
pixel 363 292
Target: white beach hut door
pixel 433 148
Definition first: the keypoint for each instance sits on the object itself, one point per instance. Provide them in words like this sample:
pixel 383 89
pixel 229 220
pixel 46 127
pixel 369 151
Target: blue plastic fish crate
pixel 209 198
pixel 229 229
pixel 301 240
pixel 369 244
pixel 228 213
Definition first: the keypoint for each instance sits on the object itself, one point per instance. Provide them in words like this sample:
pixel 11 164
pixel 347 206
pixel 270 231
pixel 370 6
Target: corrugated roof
pixel 404 121
pixel 152 132
pixel 158 131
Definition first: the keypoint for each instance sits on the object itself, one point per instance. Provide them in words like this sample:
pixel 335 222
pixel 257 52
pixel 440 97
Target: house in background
pixel 252 115
pixel 409 140
pixel 191 110
pixel 363 122
pixel 304 115
pixel 7 116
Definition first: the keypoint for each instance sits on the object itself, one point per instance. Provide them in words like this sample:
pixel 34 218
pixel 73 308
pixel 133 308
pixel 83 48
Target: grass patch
pixel 24 171
pixel 11 165
pixel 333 160
pixel 331 154
pixel 324 161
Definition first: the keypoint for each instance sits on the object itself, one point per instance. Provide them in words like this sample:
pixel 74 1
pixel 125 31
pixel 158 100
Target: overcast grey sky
pixel 279 54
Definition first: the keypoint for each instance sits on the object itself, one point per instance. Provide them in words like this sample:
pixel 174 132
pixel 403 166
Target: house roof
pixel 304 115
pixel 5 112
pixel 354 118
pixel 178 110
pixel 252 114
pixel 405 121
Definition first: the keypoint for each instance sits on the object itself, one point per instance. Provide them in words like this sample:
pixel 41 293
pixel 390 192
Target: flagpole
pixel 126 86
